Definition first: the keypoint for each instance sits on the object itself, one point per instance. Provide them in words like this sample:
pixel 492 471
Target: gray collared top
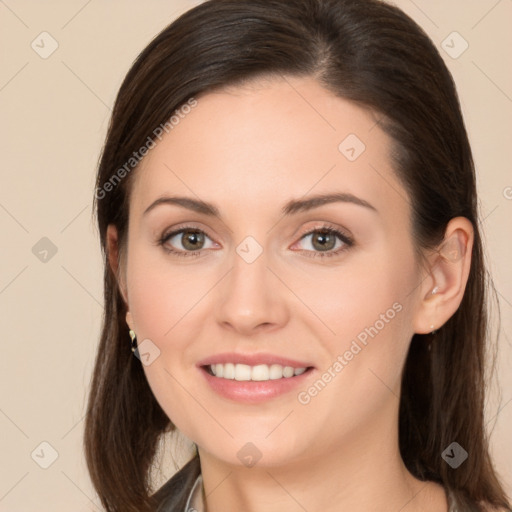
pixel 195 502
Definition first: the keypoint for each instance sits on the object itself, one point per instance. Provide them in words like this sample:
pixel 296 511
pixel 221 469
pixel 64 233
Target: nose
pixel 251 299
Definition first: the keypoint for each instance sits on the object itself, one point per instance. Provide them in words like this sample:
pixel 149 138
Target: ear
pixel 448 274
pixel 114 258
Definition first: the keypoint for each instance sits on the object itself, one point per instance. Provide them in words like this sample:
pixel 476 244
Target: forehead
pixel 259 145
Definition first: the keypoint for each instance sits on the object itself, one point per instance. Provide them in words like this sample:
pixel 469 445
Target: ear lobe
pixel 129 320
pixel 449 271
pixel 114 258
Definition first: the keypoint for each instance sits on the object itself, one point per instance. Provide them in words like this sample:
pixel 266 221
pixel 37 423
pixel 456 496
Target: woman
pixel 322 345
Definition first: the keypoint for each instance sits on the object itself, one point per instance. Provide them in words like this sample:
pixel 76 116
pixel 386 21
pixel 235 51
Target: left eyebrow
pixel 302 205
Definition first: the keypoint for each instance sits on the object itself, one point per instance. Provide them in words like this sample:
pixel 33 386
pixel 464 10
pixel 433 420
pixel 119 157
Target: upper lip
pixel 252 360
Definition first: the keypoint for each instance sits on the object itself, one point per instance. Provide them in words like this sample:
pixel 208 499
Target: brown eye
pixel 192 241
pixel 323 240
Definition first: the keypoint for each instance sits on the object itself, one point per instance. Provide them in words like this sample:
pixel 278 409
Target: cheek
pixel 161 309
pixel 165 301
pixel 347 300
pixel 366 315
pixel 163 295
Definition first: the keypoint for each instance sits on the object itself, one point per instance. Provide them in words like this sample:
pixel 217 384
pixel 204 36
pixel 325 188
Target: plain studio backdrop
pixel 62 63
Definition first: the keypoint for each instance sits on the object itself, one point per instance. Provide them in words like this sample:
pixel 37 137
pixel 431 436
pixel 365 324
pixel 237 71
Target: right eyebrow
pixel 186 202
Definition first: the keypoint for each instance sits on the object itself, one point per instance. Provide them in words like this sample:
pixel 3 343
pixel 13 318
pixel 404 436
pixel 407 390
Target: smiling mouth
pixel 257 373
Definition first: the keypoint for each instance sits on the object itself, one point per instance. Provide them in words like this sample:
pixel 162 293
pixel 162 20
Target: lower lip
pixel 248 391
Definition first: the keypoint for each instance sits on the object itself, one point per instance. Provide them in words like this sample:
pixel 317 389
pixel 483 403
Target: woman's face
pixel 250 287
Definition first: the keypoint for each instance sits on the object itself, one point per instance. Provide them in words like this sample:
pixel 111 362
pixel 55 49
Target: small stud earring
pixel 435 290
pixel 432 330
pixel 134 340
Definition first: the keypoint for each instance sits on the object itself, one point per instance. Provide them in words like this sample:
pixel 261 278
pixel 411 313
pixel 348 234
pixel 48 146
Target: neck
pixel 363 473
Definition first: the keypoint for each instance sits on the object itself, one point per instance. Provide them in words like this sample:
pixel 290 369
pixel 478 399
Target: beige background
pixel 54 115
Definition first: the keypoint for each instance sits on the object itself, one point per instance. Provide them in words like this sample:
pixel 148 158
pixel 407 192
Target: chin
pixel 249 451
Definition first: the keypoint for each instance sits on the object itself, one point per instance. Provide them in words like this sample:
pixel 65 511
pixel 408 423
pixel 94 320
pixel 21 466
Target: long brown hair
pixel 371 53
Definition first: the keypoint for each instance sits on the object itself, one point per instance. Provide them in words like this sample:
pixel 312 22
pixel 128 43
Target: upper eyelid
pixel 176 230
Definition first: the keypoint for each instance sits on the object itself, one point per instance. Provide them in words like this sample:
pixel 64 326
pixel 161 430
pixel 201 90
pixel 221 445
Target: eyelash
pixel 326 228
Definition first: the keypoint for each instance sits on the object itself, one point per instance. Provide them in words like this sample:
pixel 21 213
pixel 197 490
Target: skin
pixel 249 150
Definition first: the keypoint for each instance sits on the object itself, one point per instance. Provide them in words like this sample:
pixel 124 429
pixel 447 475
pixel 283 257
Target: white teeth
pixel 276 371
pixel 228 371
pixel 242 372
pixel 260 372
pixel 288 371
